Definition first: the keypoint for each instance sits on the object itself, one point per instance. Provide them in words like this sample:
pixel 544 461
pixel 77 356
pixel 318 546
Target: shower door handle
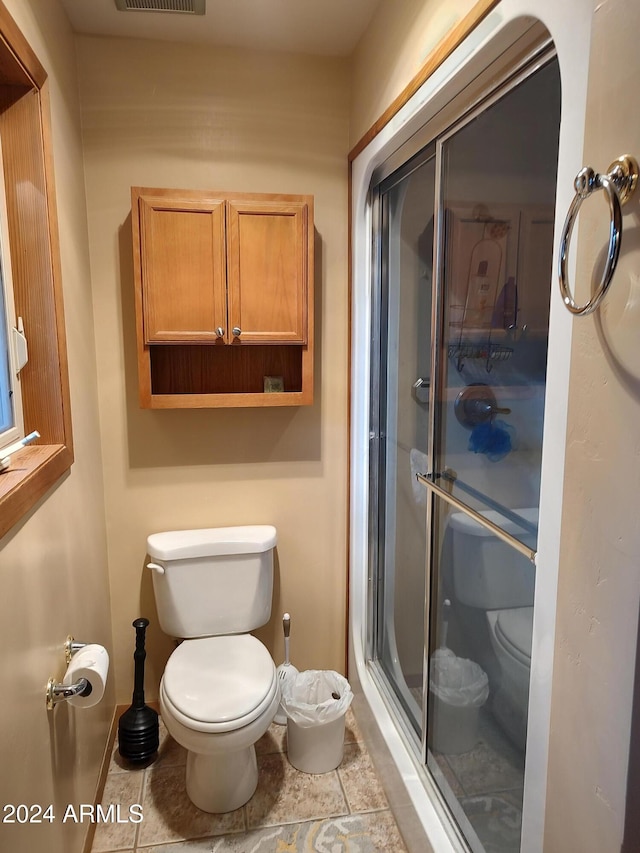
pixel 482 520
pixel 421 389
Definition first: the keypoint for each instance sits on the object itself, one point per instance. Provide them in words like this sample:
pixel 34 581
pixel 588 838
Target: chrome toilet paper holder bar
pixel 619 184
pixel 57 692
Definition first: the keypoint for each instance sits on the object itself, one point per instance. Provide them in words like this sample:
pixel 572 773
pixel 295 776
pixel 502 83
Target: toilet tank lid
pixel 211 542
pixel 465 524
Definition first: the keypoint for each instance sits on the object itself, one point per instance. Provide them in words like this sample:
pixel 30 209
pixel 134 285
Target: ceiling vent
pixel 187 7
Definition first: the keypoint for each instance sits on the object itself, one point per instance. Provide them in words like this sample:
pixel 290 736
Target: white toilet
pixel 490 575
pixel 219 691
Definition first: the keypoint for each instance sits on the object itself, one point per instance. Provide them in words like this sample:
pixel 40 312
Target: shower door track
pixel 414 749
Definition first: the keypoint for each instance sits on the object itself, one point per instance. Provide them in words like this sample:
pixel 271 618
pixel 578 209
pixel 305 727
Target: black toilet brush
pixel 138 729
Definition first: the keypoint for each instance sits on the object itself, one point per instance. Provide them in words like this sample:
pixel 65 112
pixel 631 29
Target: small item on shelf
pixel 273 384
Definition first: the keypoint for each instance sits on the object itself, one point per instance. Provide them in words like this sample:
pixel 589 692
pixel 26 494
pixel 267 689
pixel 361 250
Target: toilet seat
pixel 513 630
pixel 219 684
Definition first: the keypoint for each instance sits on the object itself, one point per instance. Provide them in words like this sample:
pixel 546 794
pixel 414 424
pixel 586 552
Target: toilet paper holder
pixel 58 692
pixel 71 647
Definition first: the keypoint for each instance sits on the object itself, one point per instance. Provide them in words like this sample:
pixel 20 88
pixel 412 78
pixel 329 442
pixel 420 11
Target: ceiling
pixel 326 27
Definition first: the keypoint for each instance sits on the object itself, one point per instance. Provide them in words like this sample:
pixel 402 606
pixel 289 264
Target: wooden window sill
pixel 33 471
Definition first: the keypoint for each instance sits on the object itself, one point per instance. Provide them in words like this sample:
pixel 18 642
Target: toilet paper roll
pixel 92 663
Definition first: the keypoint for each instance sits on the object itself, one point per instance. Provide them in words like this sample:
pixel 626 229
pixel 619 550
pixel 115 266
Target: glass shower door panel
pixel 476 736
pixel 498 198
pixel 407 206
pixel 497 195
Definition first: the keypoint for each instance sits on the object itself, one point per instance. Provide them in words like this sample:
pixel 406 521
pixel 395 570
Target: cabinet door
pixel 268 271
pixel 183 269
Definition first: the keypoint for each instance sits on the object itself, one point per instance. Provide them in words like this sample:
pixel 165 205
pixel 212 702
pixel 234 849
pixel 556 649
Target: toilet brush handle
pixel 286 626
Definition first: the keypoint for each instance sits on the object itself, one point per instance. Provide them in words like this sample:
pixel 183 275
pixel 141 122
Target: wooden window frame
pixel 25 131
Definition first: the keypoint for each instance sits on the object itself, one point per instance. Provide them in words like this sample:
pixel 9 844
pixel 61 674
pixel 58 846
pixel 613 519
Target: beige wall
pixel 169 115
pixel 399 38
pixel 599 583
pixel 53 563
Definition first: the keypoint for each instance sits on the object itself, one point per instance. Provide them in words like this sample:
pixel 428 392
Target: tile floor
pixel 488 783
pixel 344 811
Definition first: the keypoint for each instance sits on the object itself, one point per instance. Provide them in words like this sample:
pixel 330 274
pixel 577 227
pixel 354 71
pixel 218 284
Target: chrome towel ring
pixel 619 184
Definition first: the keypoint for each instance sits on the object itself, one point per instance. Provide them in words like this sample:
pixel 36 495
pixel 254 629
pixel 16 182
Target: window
pixel 7 418
pixel 32 239
pixel 11 423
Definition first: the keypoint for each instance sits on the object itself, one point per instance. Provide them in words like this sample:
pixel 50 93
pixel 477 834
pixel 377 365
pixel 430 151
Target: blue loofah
pixel 492 438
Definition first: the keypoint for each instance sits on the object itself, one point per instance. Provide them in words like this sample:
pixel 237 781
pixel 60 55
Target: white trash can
pixel 454 727
pixel 316 702
pixel 458 688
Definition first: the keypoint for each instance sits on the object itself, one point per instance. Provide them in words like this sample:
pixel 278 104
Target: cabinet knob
pixel 220 332
pixel 237 331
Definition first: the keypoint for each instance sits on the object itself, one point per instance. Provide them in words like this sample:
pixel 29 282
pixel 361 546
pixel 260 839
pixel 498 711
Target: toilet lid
pixel 514 629
pixel 220 680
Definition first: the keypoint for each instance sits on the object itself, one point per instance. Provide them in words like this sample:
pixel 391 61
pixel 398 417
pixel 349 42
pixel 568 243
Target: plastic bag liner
pixel 458 681
pixel 315 697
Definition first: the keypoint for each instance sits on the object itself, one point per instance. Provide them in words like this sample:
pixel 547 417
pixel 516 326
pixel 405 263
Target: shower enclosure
pixel 462 220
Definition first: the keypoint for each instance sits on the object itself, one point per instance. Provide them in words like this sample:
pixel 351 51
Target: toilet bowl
pixel 491 576
pixel 219 691
pixel 510 632
pixel 218 696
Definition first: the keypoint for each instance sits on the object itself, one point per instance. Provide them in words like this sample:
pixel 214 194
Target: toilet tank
pixel 213 581
pixel 487 572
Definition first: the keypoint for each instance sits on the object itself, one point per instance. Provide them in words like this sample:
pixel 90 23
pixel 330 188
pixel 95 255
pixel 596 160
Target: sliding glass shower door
pixel 402 426
pixel 463 236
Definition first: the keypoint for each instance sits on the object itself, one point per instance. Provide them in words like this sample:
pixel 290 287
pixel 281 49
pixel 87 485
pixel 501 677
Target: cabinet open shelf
pixel 211 375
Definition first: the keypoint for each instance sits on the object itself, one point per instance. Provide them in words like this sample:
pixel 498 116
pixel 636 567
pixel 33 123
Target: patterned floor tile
pixel 487 781
pixel 169 815
pixel 352 733
pixel 360 782
pixel 121 790
pixel 367 833
pixel 497 823
pixel 484 770
pixel 449 775
pixel 273 740
pixel 285 795
pixel 290 811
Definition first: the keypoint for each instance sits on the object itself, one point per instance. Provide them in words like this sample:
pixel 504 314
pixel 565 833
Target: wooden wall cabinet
pixel 224 298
